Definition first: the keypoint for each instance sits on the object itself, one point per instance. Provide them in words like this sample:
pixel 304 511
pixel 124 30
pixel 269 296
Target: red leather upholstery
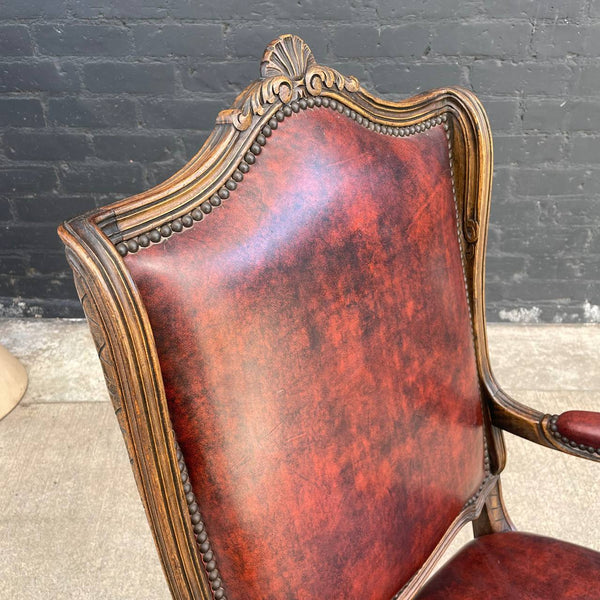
pixel 580 426
pixel 517 566
pixel 316 351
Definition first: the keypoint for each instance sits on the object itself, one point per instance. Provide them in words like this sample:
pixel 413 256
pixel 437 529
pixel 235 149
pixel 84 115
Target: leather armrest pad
pixel 581 427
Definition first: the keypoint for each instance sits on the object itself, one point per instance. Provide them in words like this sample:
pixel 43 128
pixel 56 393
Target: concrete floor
pixel 72 525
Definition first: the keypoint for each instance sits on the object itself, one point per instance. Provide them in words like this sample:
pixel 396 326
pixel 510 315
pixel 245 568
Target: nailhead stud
pixel 208 558
pixel 197 214
pixel 154 235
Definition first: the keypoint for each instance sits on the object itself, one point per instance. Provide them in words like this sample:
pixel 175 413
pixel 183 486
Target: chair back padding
pixel 315 344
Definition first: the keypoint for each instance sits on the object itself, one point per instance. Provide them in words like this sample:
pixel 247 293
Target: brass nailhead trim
pixel 486 454
pixel 202 541
pixel 565 440
pixel 488 475
pixel 156 235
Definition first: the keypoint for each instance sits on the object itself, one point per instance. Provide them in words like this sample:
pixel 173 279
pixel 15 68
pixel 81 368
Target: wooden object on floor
pixel 13 381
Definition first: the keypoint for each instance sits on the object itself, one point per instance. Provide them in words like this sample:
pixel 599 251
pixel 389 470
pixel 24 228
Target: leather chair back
pixel 315 344
pixel 300 293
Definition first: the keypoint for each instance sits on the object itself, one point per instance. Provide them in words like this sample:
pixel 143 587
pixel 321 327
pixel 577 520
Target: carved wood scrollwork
pixel 317 76
pixel 471 230
pixel 86 297
pixel 288 72
pixel 471 234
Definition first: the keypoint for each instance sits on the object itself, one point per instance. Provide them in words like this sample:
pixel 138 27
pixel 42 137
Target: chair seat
pixel 518 566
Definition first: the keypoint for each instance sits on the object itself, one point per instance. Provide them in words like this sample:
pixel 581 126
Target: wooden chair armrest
pixel 574 432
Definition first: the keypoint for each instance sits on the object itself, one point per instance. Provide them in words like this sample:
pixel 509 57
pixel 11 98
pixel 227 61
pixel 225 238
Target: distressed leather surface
pixel 314 340
pixel 580 426
pixel 517 566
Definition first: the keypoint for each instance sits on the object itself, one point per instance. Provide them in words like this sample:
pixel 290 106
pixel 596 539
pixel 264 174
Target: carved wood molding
pixel 123 340
pixel 103 349
pixel 288 72
pixel 469 514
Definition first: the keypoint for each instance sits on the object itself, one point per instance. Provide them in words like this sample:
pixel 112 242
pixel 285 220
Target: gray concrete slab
pixel 546 357
pixel 60 359
pixel 550 493
pixel 73 526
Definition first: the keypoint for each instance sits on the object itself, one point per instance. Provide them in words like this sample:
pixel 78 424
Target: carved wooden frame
pixel 96 242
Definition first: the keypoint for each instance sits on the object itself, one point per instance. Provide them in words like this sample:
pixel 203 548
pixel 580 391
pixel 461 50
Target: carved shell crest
pixel 287 55
pixel 288 72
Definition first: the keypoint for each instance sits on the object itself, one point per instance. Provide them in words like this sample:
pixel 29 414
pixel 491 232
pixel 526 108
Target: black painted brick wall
pixel 104 99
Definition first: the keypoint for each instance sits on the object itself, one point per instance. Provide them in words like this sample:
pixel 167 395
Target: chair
pixel 292 331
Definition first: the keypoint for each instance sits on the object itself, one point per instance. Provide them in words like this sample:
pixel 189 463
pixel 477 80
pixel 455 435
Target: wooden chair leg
pixel 494 517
